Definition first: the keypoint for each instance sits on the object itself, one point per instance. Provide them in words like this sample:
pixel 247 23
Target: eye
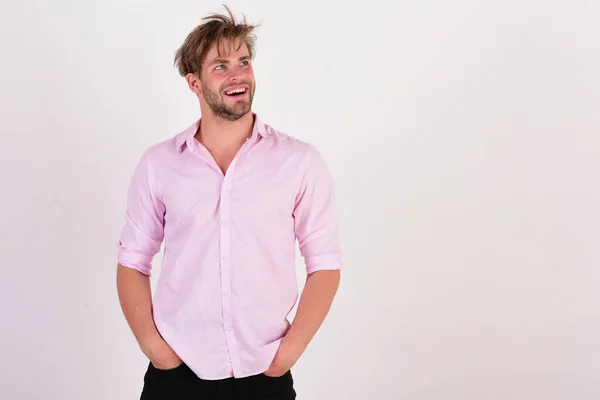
pixel 245 62
pixel 218 67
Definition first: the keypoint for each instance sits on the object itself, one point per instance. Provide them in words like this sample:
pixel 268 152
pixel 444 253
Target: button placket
pixel 225 255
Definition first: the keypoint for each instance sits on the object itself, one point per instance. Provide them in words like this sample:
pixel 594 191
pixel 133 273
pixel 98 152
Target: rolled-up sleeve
pixel 315 216
pixel 143 231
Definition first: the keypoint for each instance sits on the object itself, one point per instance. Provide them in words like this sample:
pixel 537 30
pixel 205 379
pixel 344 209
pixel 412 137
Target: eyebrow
pixel 226 61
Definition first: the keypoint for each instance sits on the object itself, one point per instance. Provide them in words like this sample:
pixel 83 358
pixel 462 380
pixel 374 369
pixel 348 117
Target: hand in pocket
pixel 163 357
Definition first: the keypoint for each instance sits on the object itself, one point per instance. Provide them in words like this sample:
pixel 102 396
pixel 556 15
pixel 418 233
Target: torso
pixel 223 160
pixel 222 157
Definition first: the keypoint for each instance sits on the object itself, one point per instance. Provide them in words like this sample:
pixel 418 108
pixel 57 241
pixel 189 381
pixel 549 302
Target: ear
pixel 194 83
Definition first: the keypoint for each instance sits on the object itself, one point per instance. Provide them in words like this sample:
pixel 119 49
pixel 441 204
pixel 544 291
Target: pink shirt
pixel 228 277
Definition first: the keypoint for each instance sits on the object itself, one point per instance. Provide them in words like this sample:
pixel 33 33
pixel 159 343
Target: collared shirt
pixel 228 274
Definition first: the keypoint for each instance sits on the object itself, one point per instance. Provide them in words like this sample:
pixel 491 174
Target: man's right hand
pixel 162 356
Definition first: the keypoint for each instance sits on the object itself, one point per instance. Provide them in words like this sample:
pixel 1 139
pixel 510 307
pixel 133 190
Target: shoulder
pixel 305 158
pixel 165 149
pixel 292 145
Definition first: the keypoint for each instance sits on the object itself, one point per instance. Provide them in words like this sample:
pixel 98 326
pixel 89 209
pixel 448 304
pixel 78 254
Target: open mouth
pixel 236 91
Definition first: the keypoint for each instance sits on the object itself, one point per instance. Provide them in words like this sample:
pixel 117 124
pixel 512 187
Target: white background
pixel 464 139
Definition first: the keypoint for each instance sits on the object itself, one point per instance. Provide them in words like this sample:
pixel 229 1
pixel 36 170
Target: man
pixel 229 197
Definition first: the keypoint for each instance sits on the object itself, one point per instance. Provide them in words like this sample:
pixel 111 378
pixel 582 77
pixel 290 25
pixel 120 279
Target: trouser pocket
pixel 179 383
pixel 181 373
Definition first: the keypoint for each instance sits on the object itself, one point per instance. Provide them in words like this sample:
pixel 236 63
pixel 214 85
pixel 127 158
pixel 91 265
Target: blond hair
pixel 216 28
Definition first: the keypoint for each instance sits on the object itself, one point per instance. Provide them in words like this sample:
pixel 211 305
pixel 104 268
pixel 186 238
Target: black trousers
pixel 182 383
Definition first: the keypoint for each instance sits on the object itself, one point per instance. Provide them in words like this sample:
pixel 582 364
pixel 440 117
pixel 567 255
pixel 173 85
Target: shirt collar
pixel 187 136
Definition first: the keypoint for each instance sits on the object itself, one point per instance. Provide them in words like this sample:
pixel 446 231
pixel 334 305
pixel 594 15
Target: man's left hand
pixel 284 360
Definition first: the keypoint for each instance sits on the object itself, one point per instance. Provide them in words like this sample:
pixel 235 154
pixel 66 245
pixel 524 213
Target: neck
pixel 217 133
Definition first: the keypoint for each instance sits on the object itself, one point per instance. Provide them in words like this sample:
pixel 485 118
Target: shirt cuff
pixel 326 262
pixel 139 262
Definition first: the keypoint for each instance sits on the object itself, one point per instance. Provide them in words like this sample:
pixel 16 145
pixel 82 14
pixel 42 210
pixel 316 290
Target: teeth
pixel 236 91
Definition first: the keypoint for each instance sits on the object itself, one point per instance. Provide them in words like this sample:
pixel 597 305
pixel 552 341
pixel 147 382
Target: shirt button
pixel 224 258
pixel 225 294
pixel 223 222
pixel 228 328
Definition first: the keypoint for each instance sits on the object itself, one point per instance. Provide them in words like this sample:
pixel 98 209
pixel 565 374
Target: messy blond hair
pixel 216 28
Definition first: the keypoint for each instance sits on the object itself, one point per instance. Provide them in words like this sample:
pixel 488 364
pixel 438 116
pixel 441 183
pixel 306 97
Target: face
pixel 227 83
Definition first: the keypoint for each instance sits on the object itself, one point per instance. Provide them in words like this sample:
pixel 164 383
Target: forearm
pixel 136 302
pixel 314 305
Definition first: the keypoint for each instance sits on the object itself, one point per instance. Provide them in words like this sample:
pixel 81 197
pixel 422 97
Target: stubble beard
pixel 225 111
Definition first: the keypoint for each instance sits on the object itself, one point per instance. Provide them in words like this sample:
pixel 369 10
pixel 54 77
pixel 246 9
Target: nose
pixel 235 74
pixel 234 77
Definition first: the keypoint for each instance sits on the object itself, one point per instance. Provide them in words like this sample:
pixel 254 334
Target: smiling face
pixel 227 81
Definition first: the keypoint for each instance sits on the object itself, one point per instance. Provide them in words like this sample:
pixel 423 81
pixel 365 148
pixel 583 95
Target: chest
pixel 253 189
pixel 223 160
